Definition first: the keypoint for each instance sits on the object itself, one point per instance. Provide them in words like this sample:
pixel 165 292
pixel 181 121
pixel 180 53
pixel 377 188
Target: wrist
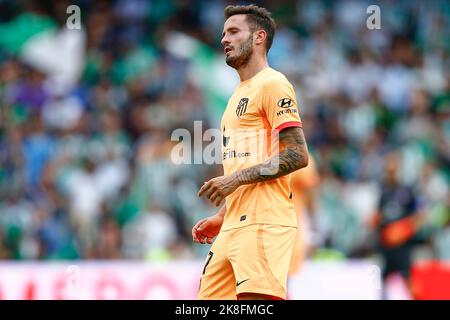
pixel 219 216
pixel 221 212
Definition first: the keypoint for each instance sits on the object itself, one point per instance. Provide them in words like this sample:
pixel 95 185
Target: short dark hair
pixel 257 17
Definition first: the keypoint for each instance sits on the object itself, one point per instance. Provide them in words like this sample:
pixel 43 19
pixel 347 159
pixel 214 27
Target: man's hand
pixel 218 188
pixel 207 229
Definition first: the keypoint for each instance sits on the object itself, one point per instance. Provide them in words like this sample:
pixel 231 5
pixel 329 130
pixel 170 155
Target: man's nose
pixel 225 41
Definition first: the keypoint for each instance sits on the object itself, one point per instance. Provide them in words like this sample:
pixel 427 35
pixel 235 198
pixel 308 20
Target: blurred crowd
pixel 86 117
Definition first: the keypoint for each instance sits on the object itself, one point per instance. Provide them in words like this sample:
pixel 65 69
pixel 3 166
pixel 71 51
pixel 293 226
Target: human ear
pixel 260 36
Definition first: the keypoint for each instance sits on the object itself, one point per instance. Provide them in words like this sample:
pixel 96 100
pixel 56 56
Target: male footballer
pixel 256 227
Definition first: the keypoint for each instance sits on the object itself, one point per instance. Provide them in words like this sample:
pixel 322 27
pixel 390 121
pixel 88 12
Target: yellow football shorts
pixel 250 259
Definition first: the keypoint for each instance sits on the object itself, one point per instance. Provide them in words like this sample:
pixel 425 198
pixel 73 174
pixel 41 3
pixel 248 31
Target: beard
pixel 243 56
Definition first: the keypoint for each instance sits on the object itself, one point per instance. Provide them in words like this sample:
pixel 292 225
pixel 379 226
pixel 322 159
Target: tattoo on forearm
pixel 293 157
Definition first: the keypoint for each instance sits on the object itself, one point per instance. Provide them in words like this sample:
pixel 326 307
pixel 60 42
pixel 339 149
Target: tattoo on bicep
pixel 292 157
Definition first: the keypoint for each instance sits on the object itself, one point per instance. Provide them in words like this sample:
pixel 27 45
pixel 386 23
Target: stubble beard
pixel 245 53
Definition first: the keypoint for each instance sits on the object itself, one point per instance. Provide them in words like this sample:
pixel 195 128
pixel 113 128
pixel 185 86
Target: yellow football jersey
pixel 258 109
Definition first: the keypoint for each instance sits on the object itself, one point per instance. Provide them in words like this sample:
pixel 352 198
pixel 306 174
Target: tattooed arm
pixel 293 156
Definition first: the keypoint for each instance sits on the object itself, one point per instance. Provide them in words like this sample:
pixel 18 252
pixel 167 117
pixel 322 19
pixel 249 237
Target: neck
pixel 254 65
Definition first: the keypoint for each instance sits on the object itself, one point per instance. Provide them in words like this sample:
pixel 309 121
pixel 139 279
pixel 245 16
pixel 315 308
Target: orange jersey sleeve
pixel 279 104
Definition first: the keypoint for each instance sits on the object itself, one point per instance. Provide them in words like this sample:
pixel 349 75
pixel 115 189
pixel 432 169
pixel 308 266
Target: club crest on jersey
pixel 242 107
pixel 285 103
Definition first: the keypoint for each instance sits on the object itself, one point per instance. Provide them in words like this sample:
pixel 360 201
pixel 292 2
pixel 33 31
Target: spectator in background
pixel 397 221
